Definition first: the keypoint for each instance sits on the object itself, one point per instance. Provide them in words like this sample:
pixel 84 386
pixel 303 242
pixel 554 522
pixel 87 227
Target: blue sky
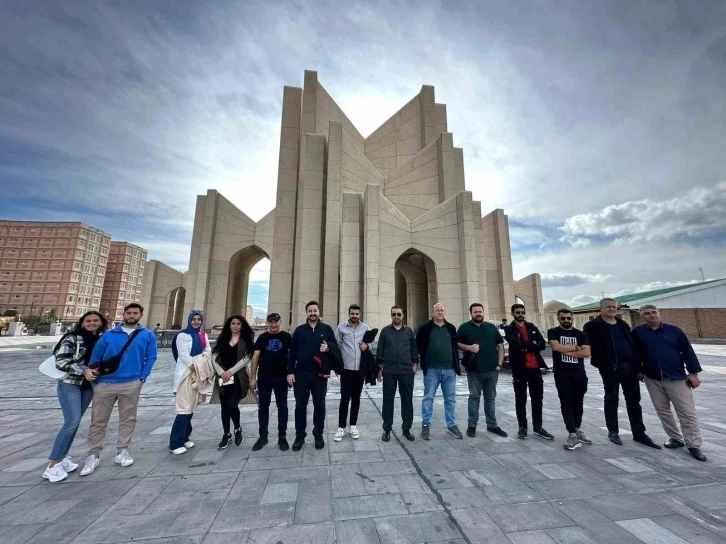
pixel 597 126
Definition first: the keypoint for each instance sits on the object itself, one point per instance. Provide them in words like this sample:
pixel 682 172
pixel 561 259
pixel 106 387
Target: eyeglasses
pixel 565 319
pixel 396 314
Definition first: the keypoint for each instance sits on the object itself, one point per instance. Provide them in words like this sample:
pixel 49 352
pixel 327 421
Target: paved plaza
pixel 485 489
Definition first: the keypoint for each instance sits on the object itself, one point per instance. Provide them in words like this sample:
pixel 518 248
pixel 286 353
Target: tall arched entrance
pixel 238 288
pixel 416 291
pixel 175 309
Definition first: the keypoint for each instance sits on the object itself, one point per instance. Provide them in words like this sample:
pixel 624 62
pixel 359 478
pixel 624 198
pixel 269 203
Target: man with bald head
pixel 436 342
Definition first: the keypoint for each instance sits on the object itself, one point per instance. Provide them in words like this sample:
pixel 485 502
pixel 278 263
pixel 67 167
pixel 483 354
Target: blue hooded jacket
pixel 137 362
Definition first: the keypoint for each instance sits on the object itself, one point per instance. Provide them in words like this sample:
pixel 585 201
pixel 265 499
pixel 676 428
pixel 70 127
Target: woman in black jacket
pixel 232 354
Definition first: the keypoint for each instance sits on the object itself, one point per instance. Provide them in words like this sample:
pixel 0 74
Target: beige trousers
pixel 680 395
pixel 105 396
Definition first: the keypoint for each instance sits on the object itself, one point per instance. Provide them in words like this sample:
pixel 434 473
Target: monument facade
pixel 378 220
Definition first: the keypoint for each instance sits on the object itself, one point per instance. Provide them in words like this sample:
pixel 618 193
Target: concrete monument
pixel 377 221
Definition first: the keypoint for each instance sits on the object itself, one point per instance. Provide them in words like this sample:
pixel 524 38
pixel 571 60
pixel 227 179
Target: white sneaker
pixel 339 434
pixel 91 463
pixel 179 451
pixel 55 474
pixel 189 444
pixel 354 432
pixel 68 465
pixel 124 459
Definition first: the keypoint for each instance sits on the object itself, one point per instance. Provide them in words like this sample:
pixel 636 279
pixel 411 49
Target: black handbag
pixel 110 365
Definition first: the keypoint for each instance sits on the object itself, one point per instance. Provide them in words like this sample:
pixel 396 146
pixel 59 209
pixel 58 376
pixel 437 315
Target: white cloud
pixel 568 279
pixel 699 211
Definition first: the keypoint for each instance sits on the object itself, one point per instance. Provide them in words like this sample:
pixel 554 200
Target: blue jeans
pixel 447 379
pixel 74 400
pixel 180 431
pixel 486 383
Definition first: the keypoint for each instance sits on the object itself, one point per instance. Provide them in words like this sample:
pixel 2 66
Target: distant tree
pixel 10 313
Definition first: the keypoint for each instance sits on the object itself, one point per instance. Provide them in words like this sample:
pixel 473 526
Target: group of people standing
pixel 658 353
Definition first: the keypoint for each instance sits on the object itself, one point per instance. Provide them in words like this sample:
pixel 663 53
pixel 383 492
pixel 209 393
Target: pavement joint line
pixel 425 479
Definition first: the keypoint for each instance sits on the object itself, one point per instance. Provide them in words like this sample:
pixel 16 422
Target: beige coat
pixel 196 383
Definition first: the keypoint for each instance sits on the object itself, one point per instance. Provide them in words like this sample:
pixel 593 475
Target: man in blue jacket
pixel 310 342
pixel 667 355
pixel 123 386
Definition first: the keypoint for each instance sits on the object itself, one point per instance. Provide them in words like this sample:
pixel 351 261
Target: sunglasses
pixel 522 312
pixel 397 314
pixel 565 319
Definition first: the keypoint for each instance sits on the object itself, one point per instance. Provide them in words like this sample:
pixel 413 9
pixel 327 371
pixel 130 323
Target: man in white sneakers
pixel 350 340
pixel 123 385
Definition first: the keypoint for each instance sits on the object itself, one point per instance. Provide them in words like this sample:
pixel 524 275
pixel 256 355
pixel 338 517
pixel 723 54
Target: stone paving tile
pixel 531 537
pixel 650 532
pixel 527 517
pixel 362 491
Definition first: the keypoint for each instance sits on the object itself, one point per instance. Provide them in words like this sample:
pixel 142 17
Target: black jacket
pixel 396 352
pixel 518 347
pixel 422 343
pixel 368 368
pixel 602 345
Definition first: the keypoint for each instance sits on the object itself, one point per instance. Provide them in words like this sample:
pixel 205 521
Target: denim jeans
pixel 447 379
pixel 180 431
pixel 74 400
pixel 483 382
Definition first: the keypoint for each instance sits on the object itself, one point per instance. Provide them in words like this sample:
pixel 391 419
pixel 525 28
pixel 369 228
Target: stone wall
pixel 159 281
pixel 529 289
pixel 697 322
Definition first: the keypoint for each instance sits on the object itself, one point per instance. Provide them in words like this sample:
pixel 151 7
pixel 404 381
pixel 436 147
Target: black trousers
pixel 404 382
pixel 571 389
pixel 531 378
pixel 351 387
pixel 612 382
pixel 229 397
pixel 265 386
pixel 306 384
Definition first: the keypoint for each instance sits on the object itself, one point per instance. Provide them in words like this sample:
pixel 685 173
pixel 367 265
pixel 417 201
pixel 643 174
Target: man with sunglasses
pixel 397 359
pixel 525 344
pixel 569 349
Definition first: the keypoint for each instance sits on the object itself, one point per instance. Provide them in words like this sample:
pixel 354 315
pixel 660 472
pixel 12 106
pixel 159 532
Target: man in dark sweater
pixel 667 355
pixel 616 356
pixel 309 342
pixel 436 344
pixel 398 362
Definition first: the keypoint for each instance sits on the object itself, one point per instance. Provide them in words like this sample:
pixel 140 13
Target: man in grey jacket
pixel 350 339
pixel 397 357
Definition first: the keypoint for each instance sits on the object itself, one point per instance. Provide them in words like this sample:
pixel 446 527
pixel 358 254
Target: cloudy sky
pixel 600 127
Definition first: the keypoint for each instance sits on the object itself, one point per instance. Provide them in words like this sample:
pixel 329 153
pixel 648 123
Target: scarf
pixel 199 341
pixel 89 342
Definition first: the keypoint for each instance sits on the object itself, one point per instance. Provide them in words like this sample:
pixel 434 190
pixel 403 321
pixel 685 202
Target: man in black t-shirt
pixel 268 374
pixel 570 346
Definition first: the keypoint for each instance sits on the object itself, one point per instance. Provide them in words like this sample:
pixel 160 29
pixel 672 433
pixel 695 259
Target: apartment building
pixel 124 278
pixel 45 265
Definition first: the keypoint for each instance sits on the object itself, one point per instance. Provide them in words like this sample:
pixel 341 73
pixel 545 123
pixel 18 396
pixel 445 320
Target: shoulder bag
pixel 110 365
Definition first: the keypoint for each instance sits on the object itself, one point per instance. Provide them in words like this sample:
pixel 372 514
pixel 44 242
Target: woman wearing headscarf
pixel 72 355
pixel 232 355
pixel 187 345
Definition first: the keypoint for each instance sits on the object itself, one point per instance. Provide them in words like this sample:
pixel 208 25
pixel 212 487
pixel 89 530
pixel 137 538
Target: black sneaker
pixel 409 435
pixel 471 432
pixel 455 432
pixel 426 432
pixel 498 431
pixel 282 443
pixel 540 431
pixel 615 438
pixel 672 444
pixel 646 441
pixel 226 439
pixel 298 444
pixel 261 443
pixel 238 438
pixel 319 443
pixel 697 454
pixel 522 433
pixel 386 436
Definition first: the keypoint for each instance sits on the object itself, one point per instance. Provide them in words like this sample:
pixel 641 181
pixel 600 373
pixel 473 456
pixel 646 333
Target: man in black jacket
pixel 306 372
pixel 525 344
pixel 436 343
pixel 616 356
pixel 398 362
